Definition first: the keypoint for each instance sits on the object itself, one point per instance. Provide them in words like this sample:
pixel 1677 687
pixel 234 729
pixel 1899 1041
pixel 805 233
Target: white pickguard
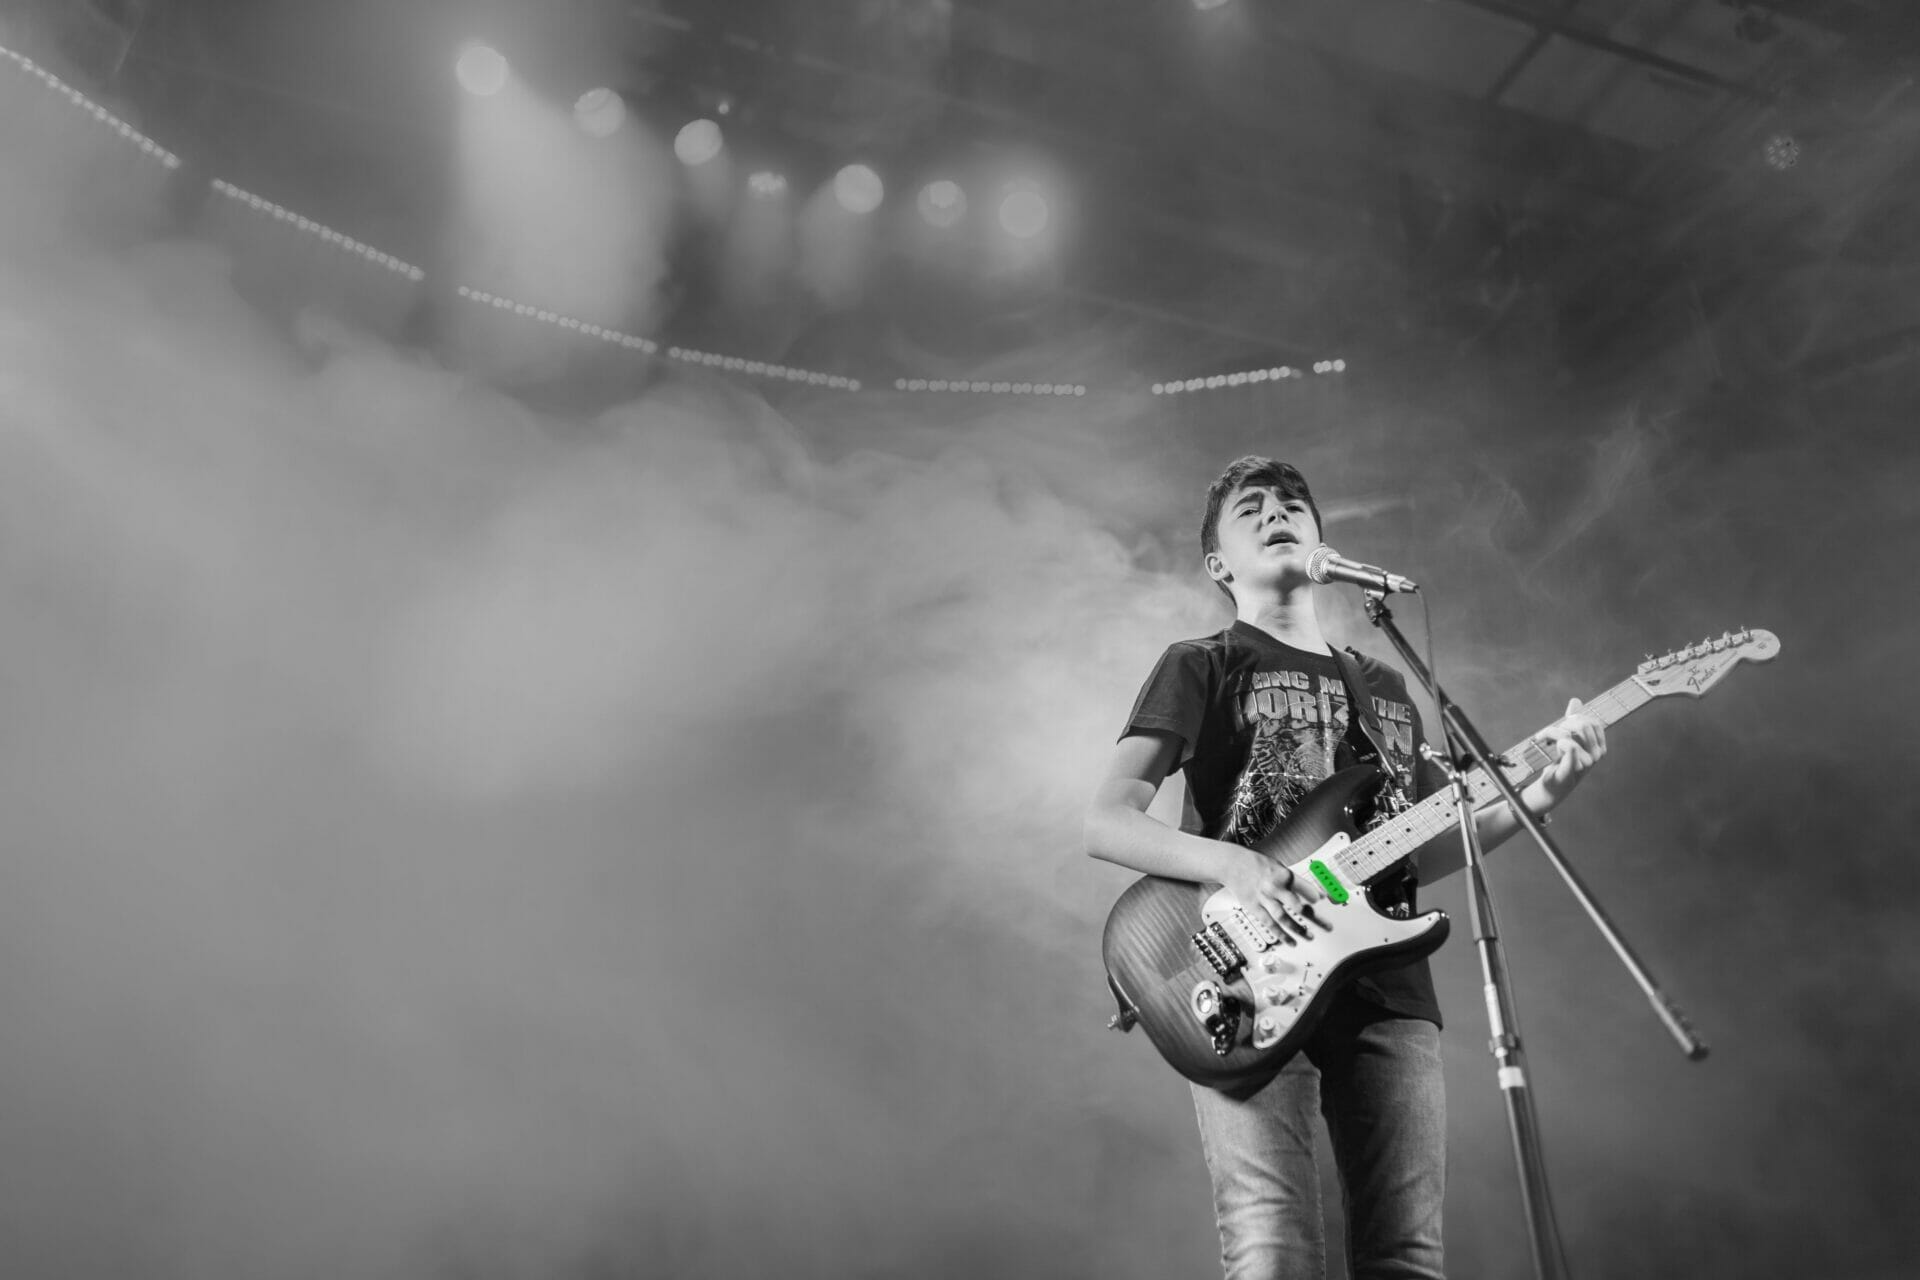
pixel 1285 972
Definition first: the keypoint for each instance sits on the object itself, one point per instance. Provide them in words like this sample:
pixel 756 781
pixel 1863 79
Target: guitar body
pixel 1229 1010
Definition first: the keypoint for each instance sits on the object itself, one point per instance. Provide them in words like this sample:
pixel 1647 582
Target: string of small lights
pixel 977 387
pixel 1214 382
pixel 710 359
pixel 531 312
pixel 147 145
pixel 761 369
pixel 280 213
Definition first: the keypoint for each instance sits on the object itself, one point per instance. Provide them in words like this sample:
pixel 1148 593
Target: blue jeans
pixel 1376 1079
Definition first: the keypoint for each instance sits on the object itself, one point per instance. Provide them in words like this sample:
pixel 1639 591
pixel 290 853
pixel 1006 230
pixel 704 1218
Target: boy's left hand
pixel 1581 740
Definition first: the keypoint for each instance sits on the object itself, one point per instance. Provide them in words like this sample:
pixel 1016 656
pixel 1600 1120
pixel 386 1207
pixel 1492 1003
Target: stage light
pixel 1782 151
pixel 1023 212
pixel 481 69
pixel 766 185
pixel 942 202
pixel 697 142
pixel 858 189
pixel 599 112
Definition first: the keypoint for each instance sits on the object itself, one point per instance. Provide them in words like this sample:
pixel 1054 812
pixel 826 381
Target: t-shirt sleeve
pixel 1174 697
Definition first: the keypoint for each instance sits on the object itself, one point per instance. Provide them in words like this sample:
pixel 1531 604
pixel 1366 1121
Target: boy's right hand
pixel 1264 884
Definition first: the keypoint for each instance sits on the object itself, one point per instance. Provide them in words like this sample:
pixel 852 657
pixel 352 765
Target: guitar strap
pixel 1360 699
pixel 1360 703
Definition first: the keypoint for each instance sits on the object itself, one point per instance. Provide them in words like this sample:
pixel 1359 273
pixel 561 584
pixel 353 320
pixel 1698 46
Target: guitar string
pixel 1386 845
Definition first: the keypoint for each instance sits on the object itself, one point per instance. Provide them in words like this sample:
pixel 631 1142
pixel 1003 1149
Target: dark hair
pixel 1241 472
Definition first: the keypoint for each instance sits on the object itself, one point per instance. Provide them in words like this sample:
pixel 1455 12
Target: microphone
pixel 1324 564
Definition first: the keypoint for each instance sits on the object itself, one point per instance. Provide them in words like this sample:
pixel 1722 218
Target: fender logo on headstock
pixel 1698 667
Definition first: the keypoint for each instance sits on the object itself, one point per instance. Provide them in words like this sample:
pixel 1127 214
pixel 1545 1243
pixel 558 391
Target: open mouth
pixel 1281 537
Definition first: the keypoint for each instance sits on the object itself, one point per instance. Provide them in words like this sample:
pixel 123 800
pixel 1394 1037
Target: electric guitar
pixel 1227 999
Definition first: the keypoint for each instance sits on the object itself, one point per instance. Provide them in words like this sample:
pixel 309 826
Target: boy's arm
pixel 1118 829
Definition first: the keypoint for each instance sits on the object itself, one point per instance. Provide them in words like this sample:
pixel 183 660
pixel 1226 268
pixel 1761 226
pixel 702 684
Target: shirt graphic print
pixel 1298 722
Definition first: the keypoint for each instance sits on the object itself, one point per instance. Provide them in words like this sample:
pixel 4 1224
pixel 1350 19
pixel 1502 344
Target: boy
pixel 1256 716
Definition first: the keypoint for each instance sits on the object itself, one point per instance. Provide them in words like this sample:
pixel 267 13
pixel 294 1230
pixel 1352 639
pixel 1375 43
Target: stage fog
pixel 450 834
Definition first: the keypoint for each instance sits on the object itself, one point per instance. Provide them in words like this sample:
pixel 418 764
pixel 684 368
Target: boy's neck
pixel 1290 619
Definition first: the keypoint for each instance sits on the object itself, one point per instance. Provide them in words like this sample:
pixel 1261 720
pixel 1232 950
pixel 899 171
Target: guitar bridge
pixel 1217 947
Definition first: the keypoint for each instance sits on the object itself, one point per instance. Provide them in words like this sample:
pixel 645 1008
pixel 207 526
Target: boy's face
pixel 1264 539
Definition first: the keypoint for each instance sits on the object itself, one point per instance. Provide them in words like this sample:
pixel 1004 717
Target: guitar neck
pixel 1383 849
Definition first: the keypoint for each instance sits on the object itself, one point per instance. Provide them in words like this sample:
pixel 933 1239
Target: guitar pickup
pixel 1263 937
pixel 1216 945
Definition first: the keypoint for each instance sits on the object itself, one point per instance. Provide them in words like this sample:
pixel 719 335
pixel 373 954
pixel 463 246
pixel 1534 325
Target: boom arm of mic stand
pixel 1463 731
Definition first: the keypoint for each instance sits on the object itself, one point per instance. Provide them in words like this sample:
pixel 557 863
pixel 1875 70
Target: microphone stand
pixel 1466 747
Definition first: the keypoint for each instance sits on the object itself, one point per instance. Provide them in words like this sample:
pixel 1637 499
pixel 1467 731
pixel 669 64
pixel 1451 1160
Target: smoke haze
pixel 447 839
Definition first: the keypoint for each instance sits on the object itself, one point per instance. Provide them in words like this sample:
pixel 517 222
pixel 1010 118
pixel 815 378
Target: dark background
pixel 503 807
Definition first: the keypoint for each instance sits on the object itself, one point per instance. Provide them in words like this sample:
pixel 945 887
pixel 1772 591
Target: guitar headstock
pixel 1698 667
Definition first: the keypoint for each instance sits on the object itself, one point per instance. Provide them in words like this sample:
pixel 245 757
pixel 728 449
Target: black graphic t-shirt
pixel 1262 723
